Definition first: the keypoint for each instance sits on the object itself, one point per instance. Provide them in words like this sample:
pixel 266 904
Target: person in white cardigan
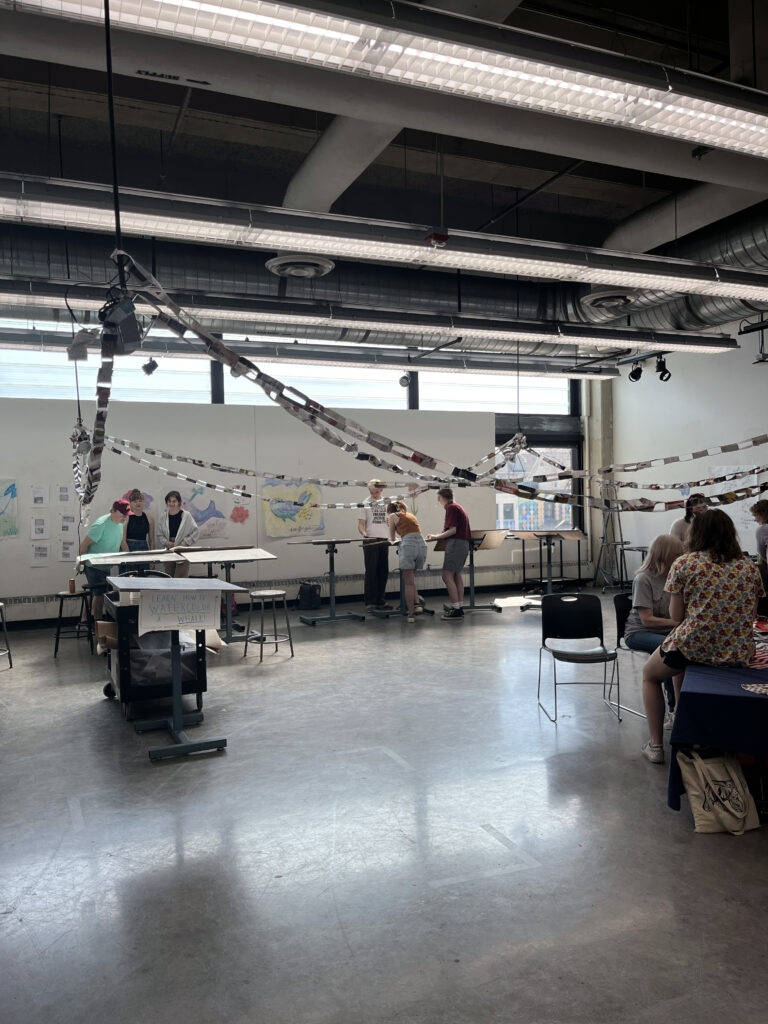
pixel 175 527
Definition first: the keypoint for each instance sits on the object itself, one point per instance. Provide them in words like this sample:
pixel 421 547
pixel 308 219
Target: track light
pixel 661 369
pixel 405 380
pixel 635 373
pixel 150 367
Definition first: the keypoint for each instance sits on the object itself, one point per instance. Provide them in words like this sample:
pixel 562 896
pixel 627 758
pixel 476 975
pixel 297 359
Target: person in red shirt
pixel 457 536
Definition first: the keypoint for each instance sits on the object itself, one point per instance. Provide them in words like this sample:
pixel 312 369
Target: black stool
pixel 81 628
pixel 261 638
pixel 7 648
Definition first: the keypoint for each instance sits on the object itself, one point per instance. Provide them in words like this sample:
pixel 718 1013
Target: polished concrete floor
pixel 394 834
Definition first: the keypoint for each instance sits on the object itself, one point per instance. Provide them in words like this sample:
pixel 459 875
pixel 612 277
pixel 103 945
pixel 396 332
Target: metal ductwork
pixel 744 245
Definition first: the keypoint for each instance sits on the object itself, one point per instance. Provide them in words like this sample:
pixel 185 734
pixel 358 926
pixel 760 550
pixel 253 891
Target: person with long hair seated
pixel 648 622
pixel 694 506
pixel 412 553
pixel 714 590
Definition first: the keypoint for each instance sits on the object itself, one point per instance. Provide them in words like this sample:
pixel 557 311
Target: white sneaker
pixel 411 618
pixel 652 753
pixel 669 720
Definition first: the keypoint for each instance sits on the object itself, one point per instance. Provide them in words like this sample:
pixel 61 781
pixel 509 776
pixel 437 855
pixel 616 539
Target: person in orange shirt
pixel 412 553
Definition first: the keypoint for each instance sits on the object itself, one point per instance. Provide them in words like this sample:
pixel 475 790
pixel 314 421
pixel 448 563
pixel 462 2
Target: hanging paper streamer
pixel 639 505
pixel 220 488
pixel 707 481
pixel 738 446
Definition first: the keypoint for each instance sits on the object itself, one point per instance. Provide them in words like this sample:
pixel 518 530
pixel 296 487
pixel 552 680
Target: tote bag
pixel 718 793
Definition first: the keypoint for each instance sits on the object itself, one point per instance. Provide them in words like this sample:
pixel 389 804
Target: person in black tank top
pixel 139 530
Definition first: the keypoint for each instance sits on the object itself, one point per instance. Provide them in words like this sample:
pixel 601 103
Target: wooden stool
pixel 261 638
pixel 81 628
pixel 7 648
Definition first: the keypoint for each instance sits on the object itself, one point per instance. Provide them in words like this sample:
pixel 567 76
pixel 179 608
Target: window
pixel 492 392
pixel 515 513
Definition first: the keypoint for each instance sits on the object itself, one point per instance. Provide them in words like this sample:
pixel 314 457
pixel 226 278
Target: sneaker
pixel 669 720
pixel 420 601
pixel 418 610
pixel 411 618
pixel 383 607
pixel 237 628
pixel 654 754
pixel 453 613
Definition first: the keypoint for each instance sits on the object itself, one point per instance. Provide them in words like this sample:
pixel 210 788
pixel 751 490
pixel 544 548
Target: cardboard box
pixel 106 633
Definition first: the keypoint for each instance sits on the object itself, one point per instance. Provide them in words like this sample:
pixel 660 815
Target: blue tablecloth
pixel 714 711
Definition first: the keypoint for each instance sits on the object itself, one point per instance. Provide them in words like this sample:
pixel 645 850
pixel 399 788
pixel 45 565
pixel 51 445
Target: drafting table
pixel 331 547
pixel 482 540
pixel 226 557
pixel 546 539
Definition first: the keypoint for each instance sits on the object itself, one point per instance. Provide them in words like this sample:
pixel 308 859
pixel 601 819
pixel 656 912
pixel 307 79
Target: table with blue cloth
pixel 715 711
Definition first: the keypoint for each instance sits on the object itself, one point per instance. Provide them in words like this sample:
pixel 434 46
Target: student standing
pixel 139 529
pixel 412 552
pixel 176 528
pixel 760 514
pixel 374 530
pixel 104 537
pixel 694 506
pixel 458 536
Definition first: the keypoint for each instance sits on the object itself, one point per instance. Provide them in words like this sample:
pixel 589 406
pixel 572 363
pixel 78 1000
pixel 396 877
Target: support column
pixel 217 383
pixel 413 389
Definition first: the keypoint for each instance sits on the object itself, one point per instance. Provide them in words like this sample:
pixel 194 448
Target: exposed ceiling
pixel 577 185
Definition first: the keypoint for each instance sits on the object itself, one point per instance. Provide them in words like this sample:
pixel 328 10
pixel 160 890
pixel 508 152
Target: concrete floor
pixel 395 834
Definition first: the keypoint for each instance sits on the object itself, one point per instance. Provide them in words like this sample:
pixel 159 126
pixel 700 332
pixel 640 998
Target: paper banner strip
pixel 738 446
pixel 708 481
pixel 639 505
pixel 219 488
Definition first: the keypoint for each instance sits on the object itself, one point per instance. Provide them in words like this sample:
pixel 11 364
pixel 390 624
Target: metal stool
pixel 261 638
pixel 7 648
pixel 85 596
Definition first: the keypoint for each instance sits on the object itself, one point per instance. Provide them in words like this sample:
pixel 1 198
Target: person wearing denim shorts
pixel 412 552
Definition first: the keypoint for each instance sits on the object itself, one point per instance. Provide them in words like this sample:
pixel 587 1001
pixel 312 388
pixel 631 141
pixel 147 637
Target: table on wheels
pixel 182 744
pixel 715 710
pixel 331 547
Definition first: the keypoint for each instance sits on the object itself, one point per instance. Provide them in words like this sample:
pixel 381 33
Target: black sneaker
pixel 237 628
pixel 453 613
pixel 420 600
pixel 383 607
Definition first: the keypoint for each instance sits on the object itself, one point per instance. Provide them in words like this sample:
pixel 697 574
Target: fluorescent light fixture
pixel 475 333
pixel 86 207
pixel 424 49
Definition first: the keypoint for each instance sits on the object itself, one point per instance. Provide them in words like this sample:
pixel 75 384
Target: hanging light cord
pixel 113 145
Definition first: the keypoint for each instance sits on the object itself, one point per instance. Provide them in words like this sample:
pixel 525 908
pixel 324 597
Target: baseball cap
pixel 376 483
pixel 121 506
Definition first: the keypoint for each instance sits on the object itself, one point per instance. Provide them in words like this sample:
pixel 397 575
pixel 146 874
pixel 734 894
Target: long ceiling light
pixel 435 327
pixel 86 207
pixel 51 340
pixel 405 44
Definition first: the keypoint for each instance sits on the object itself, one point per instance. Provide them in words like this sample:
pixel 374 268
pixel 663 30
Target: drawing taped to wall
pixel 287 508
pixel 9 509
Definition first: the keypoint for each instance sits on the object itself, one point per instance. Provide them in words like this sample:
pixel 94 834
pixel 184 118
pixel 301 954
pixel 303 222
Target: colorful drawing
pixel 287 508
pixel 9 509
pixel 239 514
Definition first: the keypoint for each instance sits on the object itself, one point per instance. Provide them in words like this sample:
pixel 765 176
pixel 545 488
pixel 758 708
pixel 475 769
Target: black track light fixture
pixel 635 373
pixel 150 367
pixel 661 369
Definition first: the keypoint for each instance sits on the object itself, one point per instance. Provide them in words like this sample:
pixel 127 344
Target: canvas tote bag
pixel 718 793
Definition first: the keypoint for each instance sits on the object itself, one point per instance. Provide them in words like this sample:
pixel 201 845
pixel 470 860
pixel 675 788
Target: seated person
pixel 714 593
pixel 694 506
pixel 412 552
pixel 760 514
pixel 104 537
pixel 649 622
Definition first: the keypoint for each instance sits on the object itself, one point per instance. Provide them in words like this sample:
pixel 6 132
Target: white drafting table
pixel 131 557
pixel 225 557
pixel 175 724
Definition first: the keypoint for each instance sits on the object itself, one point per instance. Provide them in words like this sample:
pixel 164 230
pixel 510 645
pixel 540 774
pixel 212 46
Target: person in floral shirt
pixel 714 591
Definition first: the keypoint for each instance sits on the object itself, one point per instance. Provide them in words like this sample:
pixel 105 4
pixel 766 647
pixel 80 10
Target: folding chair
pixel 576 617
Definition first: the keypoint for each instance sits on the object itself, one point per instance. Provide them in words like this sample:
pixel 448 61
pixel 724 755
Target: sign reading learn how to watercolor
pixel 178 609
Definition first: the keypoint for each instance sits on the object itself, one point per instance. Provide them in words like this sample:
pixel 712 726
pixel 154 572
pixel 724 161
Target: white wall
pixel 37 450
pixel 710 400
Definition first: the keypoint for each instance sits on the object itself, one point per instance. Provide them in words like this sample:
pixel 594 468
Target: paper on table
pixel 178 609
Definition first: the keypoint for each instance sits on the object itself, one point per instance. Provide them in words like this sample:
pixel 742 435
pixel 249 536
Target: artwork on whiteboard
pixel 39 527
pixel 39 496
pixel 67 524
pixel 67 550
pixel 287 510
pixel 9 509
pixel 64 494
pixel 40 556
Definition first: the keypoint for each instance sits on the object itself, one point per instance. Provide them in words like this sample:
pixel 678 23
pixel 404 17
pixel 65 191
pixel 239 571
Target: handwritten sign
pixel 178 609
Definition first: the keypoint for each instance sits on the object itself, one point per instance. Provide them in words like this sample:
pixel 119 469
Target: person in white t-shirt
pixel 374 529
